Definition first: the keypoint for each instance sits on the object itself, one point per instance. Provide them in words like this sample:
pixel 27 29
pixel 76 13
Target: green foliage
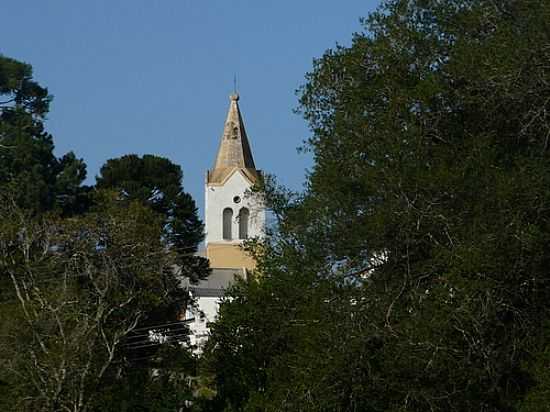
pixel 537 398
pixel 18 89
pixel 87 277
pixel 415 263
pixel 157 183
pixel 83 287
pixel 164 386
pixel 28 167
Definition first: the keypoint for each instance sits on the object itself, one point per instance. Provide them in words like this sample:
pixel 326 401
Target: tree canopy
pixel 412 274
pixel 157 182
pixel 91 297
pixel 28 167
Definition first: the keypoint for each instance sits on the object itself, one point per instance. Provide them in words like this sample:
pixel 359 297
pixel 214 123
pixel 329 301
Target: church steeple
pixel 232 214
pixel 234 150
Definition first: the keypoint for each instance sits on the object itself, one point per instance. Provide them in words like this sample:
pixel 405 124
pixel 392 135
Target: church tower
pixel 232 214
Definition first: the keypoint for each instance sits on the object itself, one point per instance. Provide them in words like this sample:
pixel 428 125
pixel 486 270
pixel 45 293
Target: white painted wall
pixel 217 198
pixel 205 312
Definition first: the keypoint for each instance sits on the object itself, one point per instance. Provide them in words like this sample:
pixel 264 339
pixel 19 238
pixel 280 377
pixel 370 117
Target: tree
pixel 418 247
pixel 82 288
pixel 19 90
pixel 157 183
pixel 28 167
pixel 90 280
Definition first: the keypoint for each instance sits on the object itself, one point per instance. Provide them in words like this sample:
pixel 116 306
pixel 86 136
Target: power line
pixel 151 344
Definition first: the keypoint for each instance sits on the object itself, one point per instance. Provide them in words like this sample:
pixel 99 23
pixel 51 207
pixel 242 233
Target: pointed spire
pixel 234 150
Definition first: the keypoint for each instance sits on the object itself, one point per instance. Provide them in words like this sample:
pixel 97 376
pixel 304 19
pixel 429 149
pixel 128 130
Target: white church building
pixel 232 215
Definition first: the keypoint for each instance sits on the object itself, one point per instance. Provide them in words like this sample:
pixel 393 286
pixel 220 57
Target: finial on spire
pixel 235 95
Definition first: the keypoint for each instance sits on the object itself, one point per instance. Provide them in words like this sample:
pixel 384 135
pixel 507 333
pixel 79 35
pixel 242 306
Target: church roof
pixel 215 284
pixel 234 150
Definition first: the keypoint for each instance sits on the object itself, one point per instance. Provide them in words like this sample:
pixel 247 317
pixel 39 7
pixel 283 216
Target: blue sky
pixel 145 76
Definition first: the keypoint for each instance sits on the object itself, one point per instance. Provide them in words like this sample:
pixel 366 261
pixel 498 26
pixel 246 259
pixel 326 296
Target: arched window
pixel 243 223
pixel 227 222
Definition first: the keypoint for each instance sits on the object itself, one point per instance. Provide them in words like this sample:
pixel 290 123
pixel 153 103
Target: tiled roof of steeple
pixel 234 151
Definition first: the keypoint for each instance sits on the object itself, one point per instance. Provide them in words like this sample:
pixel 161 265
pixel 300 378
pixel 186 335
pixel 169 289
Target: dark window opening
pixel 243 223
pixel 227 223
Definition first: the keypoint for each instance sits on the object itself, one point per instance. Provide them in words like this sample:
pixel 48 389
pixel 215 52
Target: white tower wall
pixel 220 197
